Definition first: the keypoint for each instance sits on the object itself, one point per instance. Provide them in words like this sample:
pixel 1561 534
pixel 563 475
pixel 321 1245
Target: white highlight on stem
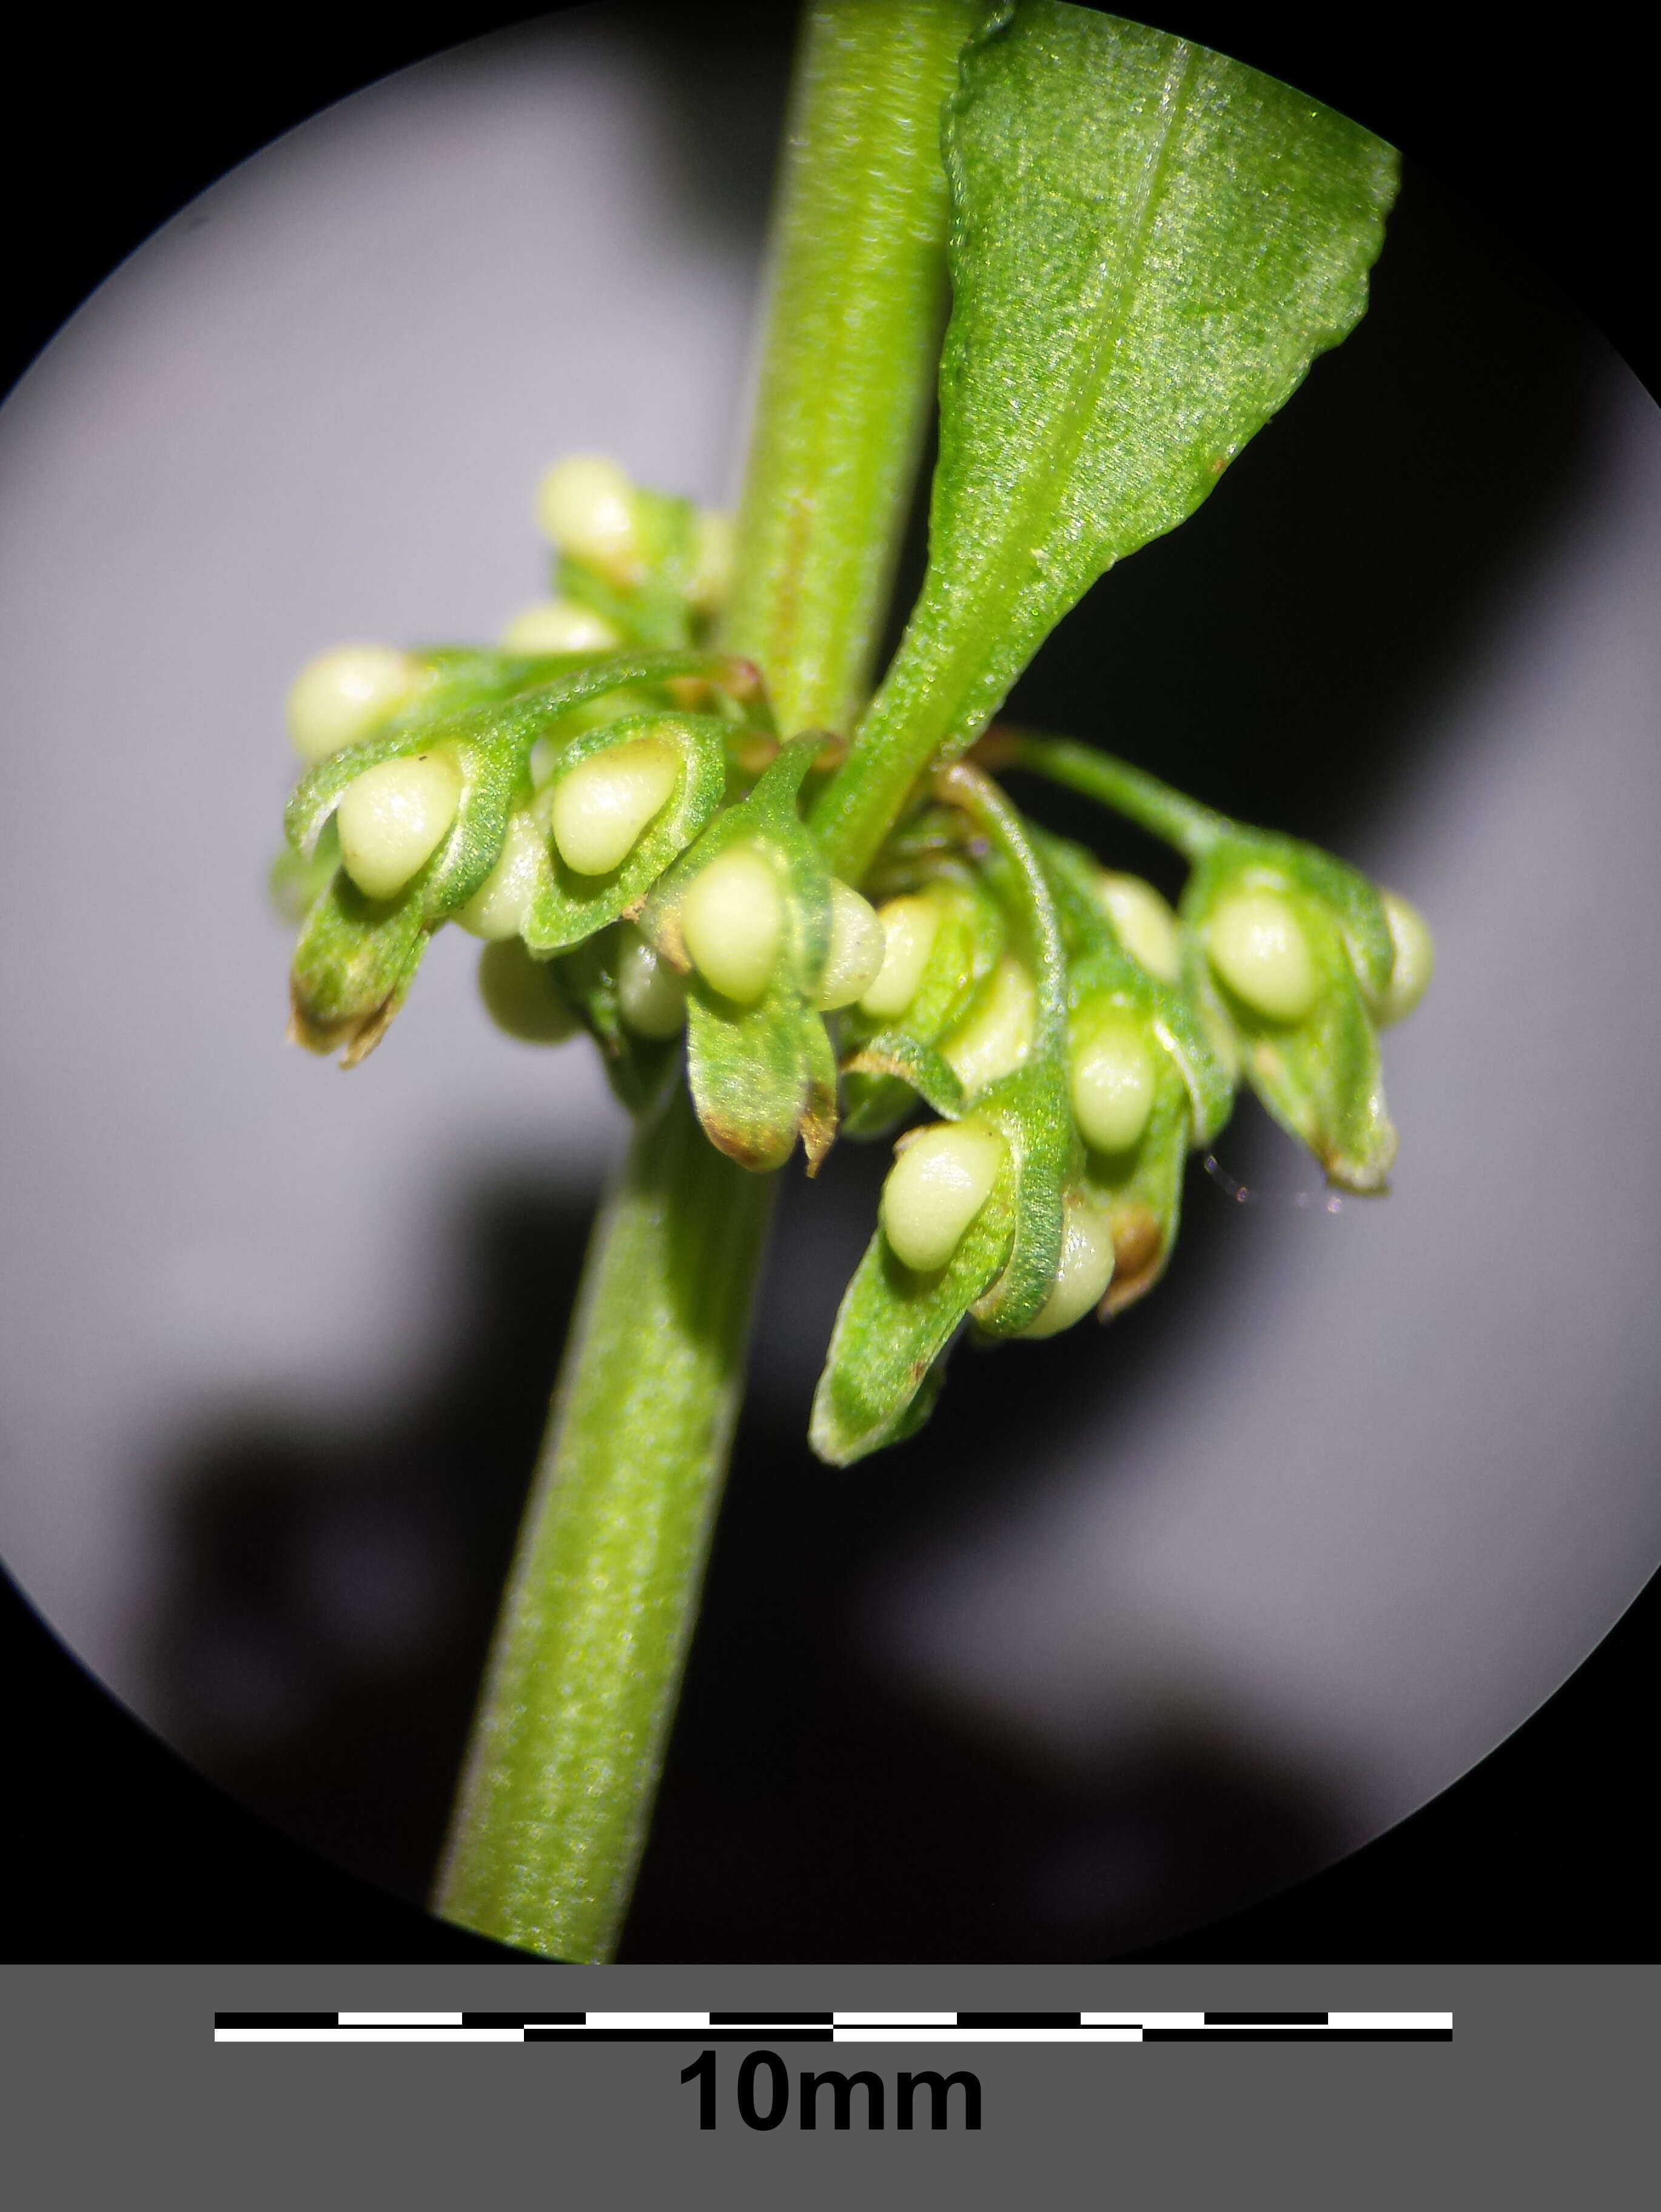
pixel 856 954
pixel 1085 1269
pixel 501 905
pixel 650 997
pixel 344 695
pixel 944 1174
pixel 392 818
pixel 997 1034
pixel 586 505
pixel 602 806
pixel 1111 1077
pixel 909 926
pixel 1416 960
pixel 1257 945
pixel 1143 923
pixel 712 539
pixel 520 997
pixel 732 919
pixel 559 626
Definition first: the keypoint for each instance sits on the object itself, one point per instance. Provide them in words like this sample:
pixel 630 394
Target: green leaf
pixel 1149 245
pixel 568 907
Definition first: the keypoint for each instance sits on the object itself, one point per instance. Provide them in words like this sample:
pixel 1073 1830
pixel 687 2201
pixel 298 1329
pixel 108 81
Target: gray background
pixel 1147 1622
pixel 1536 2099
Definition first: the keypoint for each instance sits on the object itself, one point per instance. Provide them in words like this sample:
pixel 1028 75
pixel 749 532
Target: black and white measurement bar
pixel 779 2027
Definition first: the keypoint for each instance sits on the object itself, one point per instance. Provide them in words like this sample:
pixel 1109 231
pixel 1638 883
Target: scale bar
pixel 989 2035
pixel 821 2028
pixel 369 2035
pixel 1297 2035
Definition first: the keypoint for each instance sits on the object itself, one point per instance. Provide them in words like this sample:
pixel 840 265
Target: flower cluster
pixel 604 800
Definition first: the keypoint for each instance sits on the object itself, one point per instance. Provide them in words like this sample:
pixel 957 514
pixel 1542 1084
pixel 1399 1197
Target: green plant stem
pixel 569 1742
pixel 1169 815
pixel 847 378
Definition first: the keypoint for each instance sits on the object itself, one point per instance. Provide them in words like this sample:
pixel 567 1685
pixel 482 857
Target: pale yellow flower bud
pixel 1144 925
pixel 502 904
pixel 732 919
pixel 1085 1270
pixel 393 817
pixel 586 505
pixel 559 626
pixel 602 806
pixel 1111 1079
pixel 345 695
pixel 650 997
pixel 998 1033
pixel 855 949
pixel 1257 945
pixel 712 536
pixel 944 1174
pixel 1416 959
pixel 520 995
pixel 909 926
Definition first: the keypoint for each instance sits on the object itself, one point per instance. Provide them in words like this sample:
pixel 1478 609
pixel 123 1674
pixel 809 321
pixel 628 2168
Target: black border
pixel 114 1851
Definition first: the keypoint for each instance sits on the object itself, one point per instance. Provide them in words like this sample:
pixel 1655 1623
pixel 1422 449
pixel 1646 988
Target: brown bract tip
pixel 1139 1257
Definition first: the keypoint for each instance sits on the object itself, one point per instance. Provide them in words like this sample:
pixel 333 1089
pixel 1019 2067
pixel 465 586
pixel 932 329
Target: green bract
pixel 890 1057
pixel 895 1327
pixel 1317 1073
pixel 1313 1060
pixel 485 713
pixel 1140 1188
pixel 761 1073
pixel 566 906
pixel 353 968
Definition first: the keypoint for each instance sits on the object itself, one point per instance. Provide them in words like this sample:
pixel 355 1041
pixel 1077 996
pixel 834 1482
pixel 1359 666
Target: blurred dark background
pixel 331 1596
